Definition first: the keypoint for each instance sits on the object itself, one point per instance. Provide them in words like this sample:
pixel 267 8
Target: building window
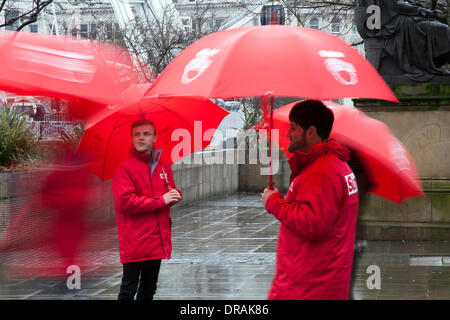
pixel 314 23
pixel 84 31
pixel 9 15
pixel 93 31
pixel 194 24
pixel 34 28
pixel 218 23
pixel 335 26
pixel 74 32
pixel 109 31
pixel 187 23
pixel 52 28
pixel 209 24
pixel 272 14
pixel 112 31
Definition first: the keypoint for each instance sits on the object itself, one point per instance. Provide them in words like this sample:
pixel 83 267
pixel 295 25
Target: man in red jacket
pixel 318 215
pixel 143 191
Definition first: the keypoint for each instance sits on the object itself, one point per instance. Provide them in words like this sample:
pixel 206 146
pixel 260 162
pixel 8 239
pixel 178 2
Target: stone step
pixel 389 230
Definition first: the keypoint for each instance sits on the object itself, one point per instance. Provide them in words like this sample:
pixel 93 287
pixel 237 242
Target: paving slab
pixel 224 248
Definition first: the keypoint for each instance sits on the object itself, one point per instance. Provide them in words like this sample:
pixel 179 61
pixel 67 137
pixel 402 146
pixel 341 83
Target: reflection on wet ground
pixel 224 248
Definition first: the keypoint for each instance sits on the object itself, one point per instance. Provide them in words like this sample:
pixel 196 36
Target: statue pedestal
pixel 421 121
pixel 434 94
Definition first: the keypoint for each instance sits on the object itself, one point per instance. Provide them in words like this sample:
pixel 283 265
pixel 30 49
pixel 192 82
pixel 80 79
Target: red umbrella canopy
pixel 183 125
pixel 63 67
pixel 83 109
pixel 284 60
pixel 390 167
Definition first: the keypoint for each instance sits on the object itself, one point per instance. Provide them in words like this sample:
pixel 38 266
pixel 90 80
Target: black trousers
pixel 140 276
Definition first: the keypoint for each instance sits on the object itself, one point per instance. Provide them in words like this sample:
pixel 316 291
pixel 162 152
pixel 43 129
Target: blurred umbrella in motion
pixel 57 226
pixel 390 169
pixel 107 136
pixel 90 72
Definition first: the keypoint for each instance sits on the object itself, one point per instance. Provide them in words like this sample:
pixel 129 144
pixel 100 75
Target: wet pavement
pixel 224 248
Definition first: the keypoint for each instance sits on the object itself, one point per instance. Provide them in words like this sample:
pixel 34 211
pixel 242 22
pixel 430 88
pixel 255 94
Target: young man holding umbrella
pixel 143 191
pixel 318 215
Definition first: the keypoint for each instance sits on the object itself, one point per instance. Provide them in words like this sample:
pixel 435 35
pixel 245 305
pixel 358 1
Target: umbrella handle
pixel 270 183
pixel 166 182
pixel 267 103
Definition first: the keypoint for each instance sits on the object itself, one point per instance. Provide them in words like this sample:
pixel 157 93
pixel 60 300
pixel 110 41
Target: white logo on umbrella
pixel 399 156
pixel 198 65
pixel 337 67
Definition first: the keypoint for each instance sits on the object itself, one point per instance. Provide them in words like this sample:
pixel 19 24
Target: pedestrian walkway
pixel 224 248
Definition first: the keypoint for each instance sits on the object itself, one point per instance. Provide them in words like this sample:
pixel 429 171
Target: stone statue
pixel 406 40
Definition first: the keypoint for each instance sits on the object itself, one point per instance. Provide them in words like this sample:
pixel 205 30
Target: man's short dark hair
pixel 313 113
pixel 143 122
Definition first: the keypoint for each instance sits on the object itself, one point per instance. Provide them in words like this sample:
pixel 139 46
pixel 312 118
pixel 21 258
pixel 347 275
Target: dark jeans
pixel 142 273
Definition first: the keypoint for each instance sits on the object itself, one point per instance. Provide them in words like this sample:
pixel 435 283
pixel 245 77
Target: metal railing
pixel 50 130
pixel 59 116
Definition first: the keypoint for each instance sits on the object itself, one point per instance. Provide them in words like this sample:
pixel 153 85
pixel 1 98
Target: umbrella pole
pixel 267 107
pixel 271 183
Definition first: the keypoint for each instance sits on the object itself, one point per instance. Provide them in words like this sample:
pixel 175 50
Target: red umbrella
pixel 271 60
pixel 83 109
pixel 63 67
pixel 391 169
pixel 184 125
pixel 285 60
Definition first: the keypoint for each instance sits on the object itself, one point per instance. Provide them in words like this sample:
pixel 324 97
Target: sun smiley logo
pixel 344 72
pixel 399 155
pixel 198 65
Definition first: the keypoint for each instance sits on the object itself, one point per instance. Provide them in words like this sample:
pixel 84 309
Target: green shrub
pixel 17 142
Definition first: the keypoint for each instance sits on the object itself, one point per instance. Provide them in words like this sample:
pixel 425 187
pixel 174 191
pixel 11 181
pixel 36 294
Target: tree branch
pixel 32 13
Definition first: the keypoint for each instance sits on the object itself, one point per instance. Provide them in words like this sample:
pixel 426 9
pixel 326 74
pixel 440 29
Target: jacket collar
pixel 145 157
pixel 300 160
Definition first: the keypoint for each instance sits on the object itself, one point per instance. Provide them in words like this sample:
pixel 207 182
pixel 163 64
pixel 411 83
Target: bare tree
pixel 206 18
pixel 153 42
pixel 251 109
pixel 156 41
pixel 299 12
pixel 19 14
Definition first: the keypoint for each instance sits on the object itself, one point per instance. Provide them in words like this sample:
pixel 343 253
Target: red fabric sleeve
pixel 128 201
pixel 314 210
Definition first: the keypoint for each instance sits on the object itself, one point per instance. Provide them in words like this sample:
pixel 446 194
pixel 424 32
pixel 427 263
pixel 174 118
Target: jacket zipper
pixel 157 220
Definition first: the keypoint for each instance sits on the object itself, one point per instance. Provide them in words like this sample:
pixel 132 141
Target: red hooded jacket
pixel 143 218
pixel 318 222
